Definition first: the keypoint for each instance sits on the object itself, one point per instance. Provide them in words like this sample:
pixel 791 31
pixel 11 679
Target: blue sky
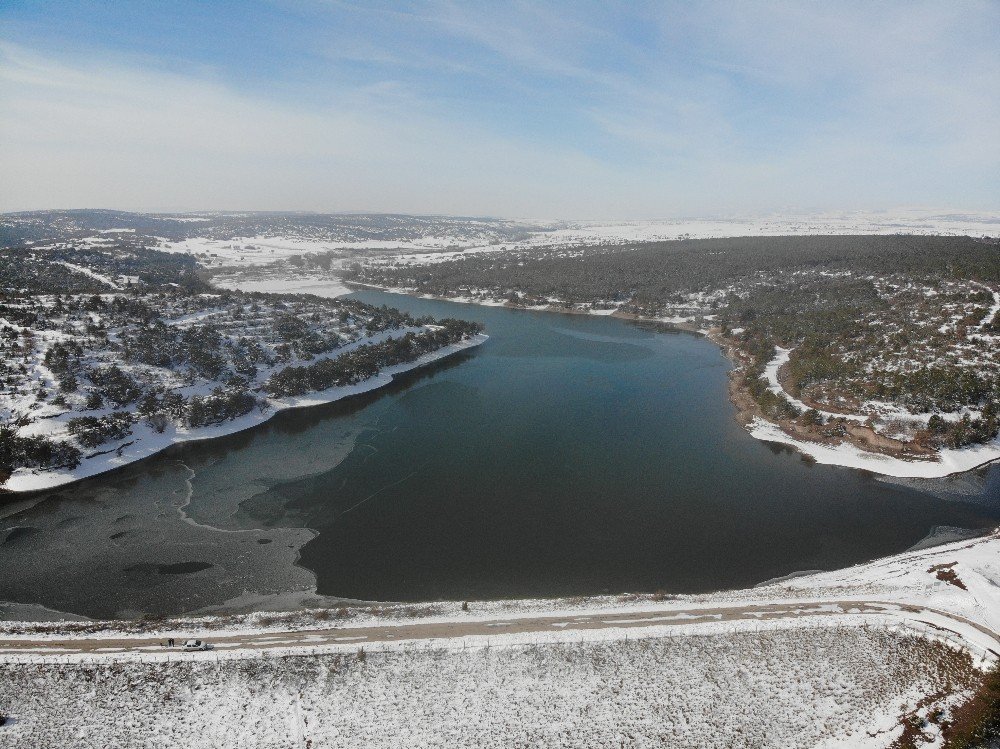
pixel 572 110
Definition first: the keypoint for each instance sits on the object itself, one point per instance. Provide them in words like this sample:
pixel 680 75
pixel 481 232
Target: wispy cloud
pixel 522 109
pixel 99 135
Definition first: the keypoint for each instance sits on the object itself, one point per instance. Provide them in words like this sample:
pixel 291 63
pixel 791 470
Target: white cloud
pixel 708 109
pixel 99 135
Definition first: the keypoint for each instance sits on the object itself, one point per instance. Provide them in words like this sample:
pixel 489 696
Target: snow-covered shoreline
pixel 949 462
pixel 905 587
pixel 845 455
pixel 144 442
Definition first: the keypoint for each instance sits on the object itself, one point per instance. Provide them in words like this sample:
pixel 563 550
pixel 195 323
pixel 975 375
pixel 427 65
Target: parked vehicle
pixel 196 645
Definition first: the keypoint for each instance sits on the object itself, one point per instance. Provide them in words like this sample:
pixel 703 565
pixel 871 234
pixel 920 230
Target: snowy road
pixel 251 643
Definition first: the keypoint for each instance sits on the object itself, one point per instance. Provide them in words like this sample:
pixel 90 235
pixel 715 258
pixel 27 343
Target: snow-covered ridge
pixel 578 233
pixel 452 239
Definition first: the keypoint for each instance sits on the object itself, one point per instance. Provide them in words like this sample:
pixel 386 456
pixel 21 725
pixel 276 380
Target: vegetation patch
pixel 976 723
pixel 946 573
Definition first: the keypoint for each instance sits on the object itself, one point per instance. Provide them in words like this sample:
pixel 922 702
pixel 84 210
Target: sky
pixel 551 110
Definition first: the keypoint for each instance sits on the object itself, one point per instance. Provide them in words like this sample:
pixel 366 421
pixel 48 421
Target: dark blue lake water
pixel 568 455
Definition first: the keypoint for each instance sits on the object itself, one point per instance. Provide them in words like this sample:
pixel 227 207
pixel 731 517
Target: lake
pixel 568 455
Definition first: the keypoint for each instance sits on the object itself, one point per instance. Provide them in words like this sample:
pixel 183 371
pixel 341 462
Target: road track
pixel 453 629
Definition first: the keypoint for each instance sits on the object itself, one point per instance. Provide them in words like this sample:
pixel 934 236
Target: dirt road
pixel 516 624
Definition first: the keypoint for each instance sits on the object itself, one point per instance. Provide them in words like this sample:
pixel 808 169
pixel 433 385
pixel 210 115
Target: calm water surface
pixel 567 455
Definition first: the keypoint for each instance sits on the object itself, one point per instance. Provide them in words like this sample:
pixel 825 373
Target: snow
pixel 144 441
pixel 887 410
pixel 773 687
pixel 829 659
pixel 949 460
pixel 993 310
pixel 897 221
pixel 329 287
pixel 774 385
pixel 972 613
pixel 88 272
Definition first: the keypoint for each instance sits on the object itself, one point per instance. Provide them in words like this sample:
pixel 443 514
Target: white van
pixel 196 645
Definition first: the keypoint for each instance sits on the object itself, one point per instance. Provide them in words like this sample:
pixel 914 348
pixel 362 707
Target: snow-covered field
pixel 256 251
pixel 329 287
pixel 262 250
pixel 897 221
pixel 805 686
pixel 576 233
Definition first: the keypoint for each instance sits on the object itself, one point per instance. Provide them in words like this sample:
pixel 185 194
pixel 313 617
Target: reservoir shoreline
pixel 569 457
pixel 132 451
pixel 858 449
